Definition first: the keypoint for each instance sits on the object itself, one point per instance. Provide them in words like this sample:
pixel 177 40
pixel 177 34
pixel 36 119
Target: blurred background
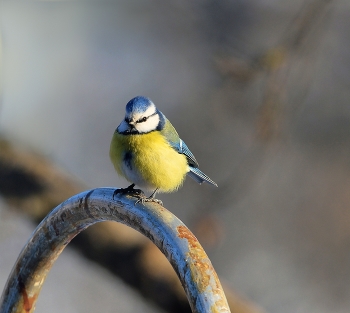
pixel 258 90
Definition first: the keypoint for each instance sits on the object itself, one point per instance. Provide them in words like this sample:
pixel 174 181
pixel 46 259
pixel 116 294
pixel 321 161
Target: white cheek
pixel 149 125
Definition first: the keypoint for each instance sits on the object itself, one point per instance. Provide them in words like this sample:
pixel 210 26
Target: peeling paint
pixel 202 271
pixel 199 264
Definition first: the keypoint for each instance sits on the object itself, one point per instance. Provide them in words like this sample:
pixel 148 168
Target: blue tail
pixel 196 174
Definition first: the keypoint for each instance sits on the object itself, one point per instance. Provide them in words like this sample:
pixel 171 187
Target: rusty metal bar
pixel 167 232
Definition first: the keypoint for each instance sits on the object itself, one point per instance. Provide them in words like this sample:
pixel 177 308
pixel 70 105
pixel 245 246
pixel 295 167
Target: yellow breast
pixel 153 163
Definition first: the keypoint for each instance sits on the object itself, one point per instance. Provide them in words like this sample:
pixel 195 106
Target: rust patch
pixel 28 302
pixel 200 264
pixel 202 270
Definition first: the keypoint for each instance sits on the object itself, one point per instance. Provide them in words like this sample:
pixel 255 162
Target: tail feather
pixel 196 174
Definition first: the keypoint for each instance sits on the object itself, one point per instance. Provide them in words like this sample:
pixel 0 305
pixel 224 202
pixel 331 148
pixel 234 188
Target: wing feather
pixel 179 145
pixel 196 174
pixel 171 135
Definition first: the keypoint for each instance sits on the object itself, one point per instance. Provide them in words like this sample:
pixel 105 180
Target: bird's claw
pixel 138 193
pixel 143 200
pixel 129 191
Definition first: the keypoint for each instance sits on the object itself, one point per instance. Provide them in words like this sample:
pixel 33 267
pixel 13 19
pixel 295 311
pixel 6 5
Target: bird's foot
pixel 129 191
pixel 151 198
pixel 143 200
pixel 138 193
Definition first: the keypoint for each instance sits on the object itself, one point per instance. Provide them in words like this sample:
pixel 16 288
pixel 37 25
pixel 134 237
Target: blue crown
pixel 138 104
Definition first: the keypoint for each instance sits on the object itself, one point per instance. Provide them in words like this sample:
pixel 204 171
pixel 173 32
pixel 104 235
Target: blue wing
pixel 195 173
pixel 171 135
pixel 182 148
pixel 179 145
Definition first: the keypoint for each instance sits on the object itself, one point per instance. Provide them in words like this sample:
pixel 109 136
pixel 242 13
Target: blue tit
pixel 148 152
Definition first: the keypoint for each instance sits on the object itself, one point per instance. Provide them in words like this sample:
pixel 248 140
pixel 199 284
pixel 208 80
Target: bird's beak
pixel 132 124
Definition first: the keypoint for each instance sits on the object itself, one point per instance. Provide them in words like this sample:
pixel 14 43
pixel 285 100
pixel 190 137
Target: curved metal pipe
pixel 167 232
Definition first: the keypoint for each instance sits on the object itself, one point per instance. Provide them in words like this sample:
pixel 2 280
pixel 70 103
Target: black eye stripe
pixel 141 120
pixel 145 118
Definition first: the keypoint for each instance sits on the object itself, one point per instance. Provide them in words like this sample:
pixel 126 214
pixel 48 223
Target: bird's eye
pixel 127 120
pixel 144 119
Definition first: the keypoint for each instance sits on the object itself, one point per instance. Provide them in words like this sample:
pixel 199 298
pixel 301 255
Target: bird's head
pixel 141 116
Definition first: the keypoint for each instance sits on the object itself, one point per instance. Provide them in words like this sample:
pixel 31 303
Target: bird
pixel 147 150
